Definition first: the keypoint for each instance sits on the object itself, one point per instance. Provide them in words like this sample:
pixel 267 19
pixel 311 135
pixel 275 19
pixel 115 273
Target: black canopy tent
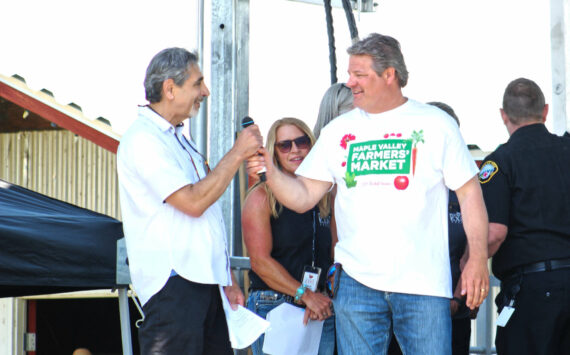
pixel 50 246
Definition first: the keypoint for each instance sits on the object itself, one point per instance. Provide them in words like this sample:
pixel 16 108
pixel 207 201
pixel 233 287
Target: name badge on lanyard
pixel 311 276
pixel 311 273
pixel 506 314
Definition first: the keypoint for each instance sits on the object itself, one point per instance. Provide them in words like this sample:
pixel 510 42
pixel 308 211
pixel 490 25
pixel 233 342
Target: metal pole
pixel 560 49
pixel 125 321
pixel 229 98
pixel 199 124
pixel 489 328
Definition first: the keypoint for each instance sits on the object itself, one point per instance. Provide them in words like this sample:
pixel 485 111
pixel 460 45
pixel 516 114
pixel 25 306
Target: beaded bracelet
pixel 299 294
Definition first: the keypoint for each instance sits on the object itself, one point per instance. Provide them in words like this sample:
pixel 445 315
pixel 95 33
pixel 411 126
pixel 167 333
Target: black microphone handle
pixel 246 122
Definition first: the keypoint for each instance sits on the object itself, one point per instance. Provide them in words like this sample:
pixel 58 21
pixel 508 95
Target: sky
pixel 462 53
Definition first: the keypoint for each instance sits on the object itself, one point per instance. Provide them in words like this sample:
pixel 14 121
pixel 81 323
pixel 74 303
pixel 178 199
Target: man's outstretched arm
pixel 297 193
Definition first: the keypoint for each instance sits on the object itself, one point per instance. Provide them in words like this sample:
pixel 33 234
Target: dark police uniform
pixel 526 186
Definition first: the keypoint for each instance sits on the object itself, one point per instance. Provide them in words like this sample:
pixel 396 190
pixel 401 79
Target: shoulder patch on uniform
pixel 488 169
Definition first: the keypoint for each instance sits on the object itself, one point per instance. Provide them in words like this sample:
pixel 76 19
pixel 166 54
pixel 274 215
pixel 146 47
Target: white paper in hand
pixel 244 326
pixel 288 335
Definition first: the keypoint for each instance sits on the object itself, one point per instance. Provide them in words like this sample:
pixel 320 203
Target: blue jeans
pixel 366 317
pixel 261 302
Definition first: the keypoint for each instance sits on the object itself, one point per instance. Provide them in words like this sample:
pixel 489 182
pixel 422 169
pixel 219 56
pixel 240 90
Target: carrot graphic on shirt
pixel 417 137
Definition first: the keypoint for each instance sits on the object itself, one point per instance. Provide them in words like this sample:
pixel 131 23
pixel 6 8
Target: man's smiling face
pixel 368 88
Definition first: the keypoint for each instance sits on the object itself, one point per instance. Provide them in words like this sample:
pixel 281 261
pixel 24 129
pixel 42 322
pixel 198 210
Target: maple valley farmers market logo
pixel 392 155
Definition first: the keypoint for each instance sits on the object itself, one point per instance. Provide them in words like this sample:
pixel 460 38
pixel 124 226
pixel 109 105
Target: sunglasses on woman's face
pixel 285 146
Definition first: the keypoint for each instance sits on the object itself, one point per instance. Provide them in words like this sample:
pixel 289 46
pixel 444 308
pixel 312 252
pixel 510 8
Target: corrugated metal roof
pixel 70 116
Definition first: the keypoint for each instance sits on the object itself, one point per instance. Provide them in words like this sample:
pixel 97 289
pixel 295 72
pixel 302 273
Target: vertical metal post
pixel 199 124
pixel 560 50
pixel 483 324
pixel 229 98
pixel 242 109
pixel 125 321
pixel 489 326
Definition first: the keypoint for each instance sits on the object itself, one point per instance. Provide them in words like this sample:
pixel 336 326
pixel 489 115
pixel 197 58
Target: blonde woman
pixel 281 242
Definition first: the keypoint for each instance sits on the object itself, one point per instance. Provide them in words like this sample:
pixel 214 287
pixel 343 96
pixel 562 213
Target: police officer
pixel 526 186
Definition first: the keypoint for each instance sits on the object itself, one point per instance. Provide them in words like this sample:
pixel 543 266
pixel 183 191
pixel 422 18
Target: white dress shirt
pixel 153 161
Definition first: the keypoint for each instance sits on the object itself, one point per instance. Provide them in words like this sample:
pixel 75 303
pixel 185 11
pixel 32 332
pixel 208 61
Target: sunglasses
pixel 302 142
pixel 333 276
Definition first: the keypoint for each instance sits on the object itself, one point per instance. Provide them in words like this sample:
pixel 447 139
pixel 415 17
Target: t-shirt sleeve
pixel 496 191
pixel 316 164
pixel 458 164
pixel 150 161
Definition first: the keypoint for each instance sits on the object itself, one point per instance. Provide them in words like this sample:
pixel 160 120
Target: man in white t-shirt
pixel 176 242
pixel 392 160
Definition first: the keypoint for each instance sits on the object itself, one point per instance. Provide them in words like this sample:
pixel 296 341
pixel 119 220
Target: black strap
pixel 189 154
pixel 314 239
pixel 547 265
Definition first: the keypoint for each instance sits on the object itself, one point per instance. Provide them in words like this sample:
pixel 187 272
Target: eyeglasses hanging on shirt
pixel 204 160
pixel 179 126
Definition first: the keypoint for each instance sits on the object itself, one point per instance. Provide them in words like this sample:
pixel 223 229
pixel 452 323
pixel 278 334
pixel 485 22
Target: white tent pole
pixel 560 51
pixel 125 321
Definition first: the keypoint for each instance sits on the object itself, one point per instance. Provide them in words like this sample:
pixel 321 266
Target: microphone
pixel 246 122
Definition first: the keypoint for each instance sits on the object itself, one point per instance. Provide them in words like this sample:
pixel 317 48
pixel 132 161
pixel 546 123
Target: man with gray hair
pixel 526 186
pixel 392 160
pixel 174 229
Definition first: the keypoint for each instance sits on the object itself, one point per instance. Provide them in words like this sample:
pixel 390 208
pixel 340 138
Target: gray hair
pixel 336 101
pixel 385 52
pixel 170 63
pixel 523 101
pixel 446 108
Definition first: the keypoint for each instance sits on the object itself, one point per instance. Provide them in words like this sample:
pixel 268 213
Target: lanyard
pixel 190 154
pixel 314 239
pixel 184 147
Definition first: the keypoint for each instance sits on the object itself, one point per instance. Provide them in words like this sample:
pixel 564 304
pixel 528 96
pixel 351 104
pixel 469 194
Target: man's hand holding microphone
pixel 248 141
pixel 255 165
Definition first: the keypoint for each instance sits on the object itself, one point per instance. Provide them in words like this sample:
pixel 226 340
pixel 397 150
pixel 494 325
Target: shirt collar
pixel 528 129
pixel 155 118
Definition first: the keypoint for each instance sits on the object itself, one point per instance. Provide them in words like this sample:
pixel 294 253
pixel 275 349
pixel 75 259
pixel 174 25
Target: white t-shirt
pixel 153 161
pixel 392 172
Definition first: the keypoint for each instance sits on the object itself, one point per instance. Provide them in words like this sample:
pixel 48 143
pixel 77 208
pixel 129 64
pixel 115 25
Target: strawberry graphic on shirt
pixel 345 139
pixel 349 178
